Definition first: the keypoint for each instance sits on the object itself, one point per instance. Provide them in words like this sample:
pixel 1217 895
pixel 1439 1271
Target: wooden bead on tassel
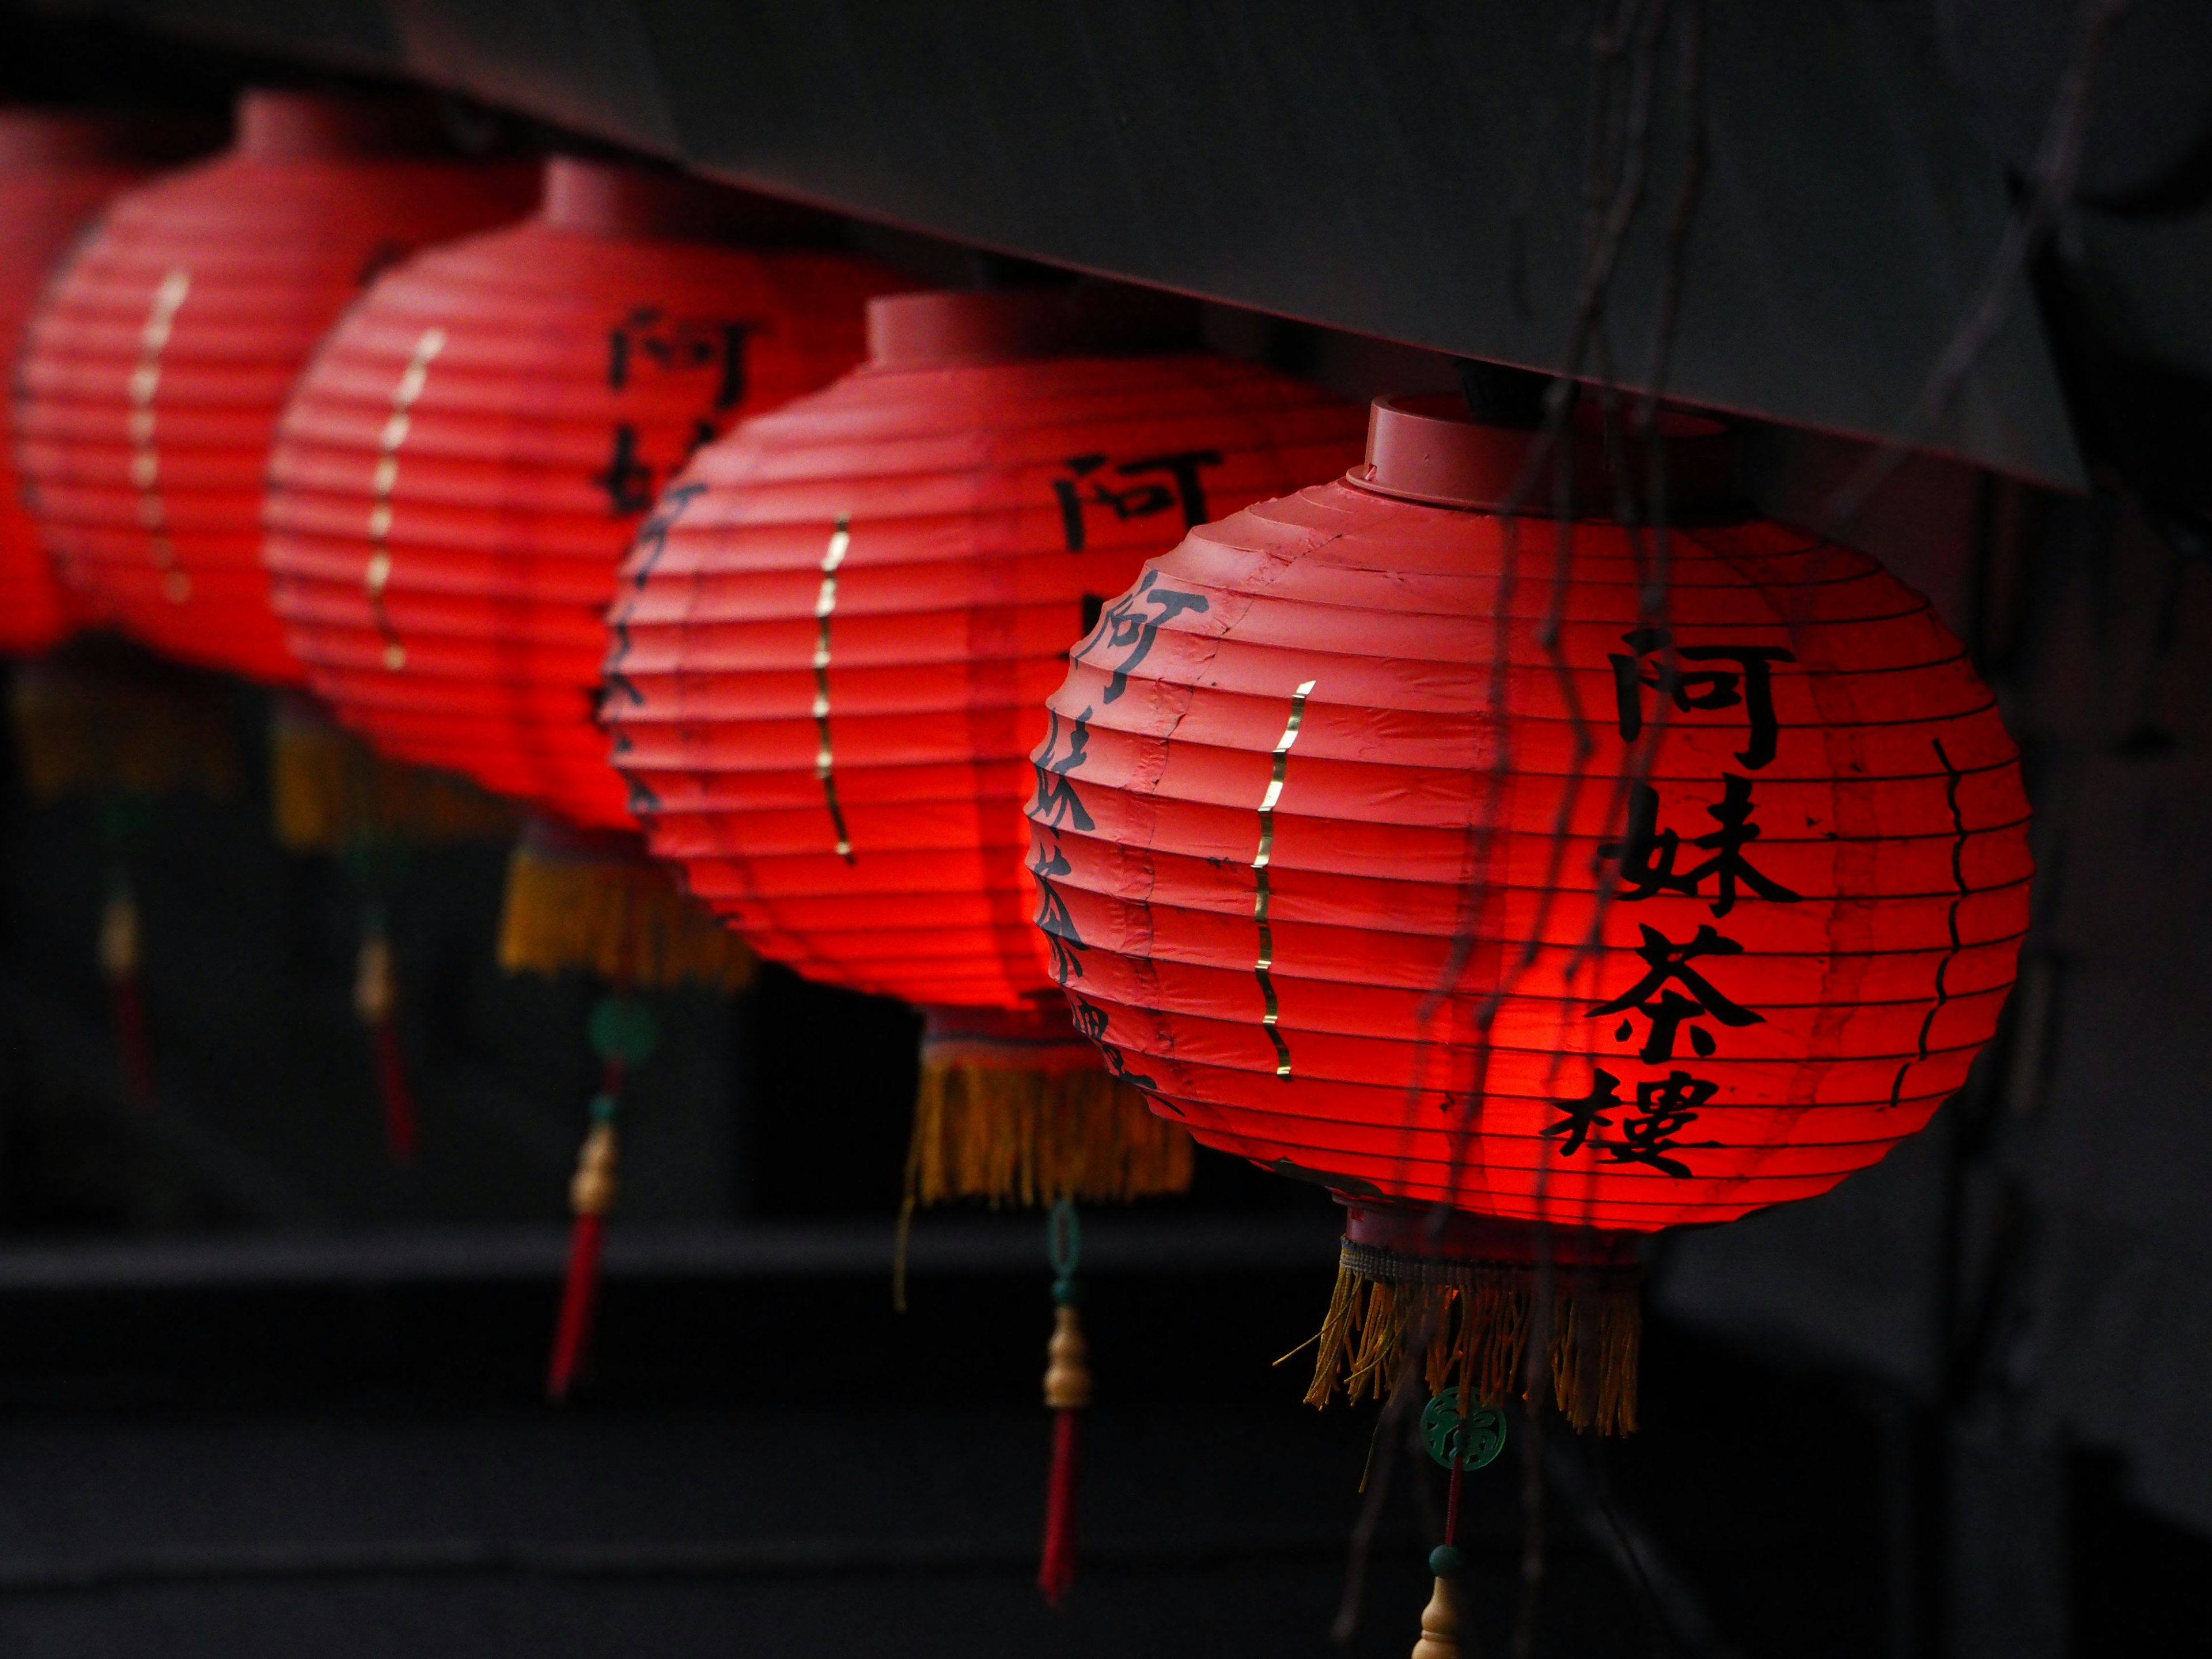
pixel 1440 1624
pixel 373 996
pixel 1067 1372
pixel 1440 1619
pixel 593 1190
pixel 118 935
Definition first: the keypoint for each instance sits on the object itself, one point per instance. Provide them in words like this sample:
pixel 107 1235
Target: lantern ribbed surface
pixel 837 632
pixel 1294 828
pixel 461 472
pixel 56 171
pixel 154 370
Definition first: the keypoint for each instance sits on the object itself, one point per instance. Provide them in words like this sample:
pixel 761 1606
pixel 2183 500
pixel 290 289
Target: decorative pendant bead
pixel 118 935
pixel 593 1190
pixel 373 995
pixel 1068 1375
pixel 1440 1622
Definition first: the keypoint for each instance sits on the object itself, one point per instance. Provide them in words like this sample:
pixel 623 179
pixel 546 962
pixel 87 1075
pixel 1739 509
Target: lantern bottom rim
pixel 1403 1242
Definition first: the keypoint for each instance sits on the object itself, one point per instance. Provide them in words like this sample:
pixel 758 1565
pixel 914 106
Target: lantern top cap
pixel 636 201
pixel 1427 448
pixel 327 126
pixel 72 138
pixel 1027 324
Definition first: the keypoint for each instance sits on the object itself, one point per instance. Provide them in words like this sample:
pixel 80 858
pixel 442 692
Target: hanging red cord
pixel 375 999
pixel 591 1195
pixel 580 1292
pixel 1056 1571
pixel 400 1124
pixel 118 960
pixel 1068 1392
pixel 1461 1436
pixel 623 1034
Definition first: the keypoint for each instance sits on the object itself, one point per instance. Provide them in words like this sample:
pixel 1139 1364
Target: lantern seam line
pixel 376 576
pixel 1952 778
pixel 1262 891
pixel 145 457
pixel 1111 1000
pixel 825 603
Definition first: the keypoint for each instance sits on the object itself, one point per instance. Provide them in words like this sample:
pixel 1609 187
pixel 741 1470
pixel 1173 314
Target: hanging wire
pixel 1619 131
pixel 1617 144
pixel 1398 1410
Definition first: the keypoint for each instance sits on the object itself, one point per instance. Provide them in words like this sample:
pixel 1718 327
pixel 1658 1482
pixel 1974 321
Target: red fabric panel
pixel 53 183
pixel 575 372
pixel 156 369
pixel 988 506
pixel 1414 882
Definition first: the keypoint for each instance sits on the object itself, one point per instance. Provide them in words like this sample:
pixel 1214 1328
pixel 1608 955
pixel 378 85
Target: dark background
pixel 261 1391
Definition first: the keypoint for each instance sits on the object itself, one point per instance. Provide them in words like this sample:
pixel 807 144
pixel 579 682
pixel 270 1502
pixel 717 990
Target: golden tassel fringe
pixel 329 790
pixel 621 919
pixel 1027 1136
pixel 1477 1318
pixel 87 726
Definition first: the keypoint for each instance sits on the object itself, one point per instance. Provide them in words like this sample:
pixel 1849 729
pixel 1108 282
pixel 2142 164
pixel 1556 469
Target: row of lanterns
pixel 1210 760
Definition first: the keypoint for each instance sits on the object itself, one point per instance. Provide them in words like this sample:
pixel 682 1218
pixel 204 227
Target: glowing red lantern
pixel 155 368
pixel 56 171
pixel 836 634
pixel 453 488
pixel 1324 867
pixel 461 472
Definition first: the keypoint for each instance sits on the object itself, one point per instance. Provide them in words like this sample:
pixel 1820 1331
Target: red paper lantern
pixel 1323 868
pixel 834 642
pixel 453 488
pixel 56 171
pixel 155 368
pixel 461 470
